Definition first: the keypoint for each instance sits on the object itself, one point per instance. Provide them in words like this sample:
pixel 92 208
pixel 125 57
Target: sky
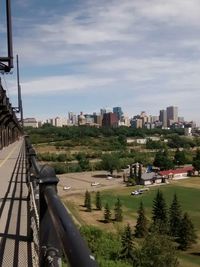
pixel 83 55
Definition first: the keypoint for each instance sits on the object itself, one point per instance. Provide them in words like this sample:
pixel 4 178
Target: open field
pixel 187 190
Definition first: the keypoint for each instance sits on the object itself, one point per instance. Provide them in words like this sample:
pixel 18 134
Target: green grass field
pixel 188 197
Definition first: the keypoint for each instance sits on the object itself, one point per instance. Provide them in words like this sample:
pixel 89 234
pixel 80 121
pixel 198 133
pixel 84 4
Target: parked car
pixel 109 177
pixel 136 192
pixel 95 184
pixel 66 187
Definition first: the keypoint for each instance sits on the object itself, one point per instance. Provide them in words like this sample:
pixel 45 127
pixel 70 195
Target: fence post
pixel 50 248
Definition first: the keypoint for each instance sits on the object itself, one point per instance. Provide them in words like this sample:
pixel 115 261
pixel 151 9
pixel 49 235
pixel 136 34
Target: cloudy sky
pixel 82 55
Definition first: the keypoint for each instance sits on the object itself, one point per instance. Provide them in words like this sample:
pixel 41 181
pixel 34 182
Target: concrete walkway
pixel 15 246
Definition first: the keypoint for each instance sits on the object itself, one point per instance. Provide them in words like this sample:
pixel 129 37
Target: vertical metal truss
pixel 6 62
pixel 10 129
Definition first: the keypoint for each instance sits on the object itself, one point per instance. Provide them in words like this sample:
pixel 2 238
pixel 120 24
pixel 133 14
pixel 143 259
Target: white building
pixel 30 122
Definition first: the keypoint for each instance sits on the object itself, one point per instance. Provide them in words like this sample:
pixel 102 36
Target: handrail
pixel 58 233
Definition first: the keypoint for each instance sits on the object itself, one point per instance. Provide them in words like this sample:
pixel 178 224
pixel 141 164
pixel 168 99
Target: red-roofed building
pixel 176 174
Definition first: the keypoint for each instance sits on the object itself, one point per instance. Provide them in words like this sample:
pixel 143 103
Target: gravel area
pixel 82 181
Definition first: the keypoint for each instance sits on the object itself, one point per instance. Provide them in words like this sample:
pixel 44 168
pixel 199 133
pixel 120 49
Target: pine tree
pixel 141 225
pixel 196 161
pixel 86 198
pixel 187 235
pixel 174 217
pixel 127 251
pixel 98 201
pixel 159 213
pixel 88 204
pixel 118 211
pixel 139 173
pixel 107 213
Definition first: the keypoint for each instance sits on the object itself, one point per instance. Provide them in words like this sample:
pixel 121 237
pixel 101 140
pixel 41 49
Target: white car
pixel 95 184
pixel 109 177
pixel 136 192
pixel 66 187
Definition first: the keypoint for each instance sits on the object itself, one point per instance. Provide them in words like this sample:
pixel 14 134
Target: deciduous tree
pixel 179 157
pixel 163 161
pixel 158 251
pixel 110 162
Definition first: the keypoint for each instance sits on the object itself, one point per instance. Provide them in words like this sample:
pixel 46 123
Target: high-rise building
pixel 172 115
pixel 98 119
pixel 118 111
pixel 163 117
pixel 110 120
pixel 81 119
pixel 105 110
pixel 136 123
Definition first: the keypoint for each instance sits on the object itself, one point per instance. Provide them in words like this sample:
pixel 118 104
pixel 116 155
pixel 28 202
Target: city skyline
pixel 167 116
pixel 109 53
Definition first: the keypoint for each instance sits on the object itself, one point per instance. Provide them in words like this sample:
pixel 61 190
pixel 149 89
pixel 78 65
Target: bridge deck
pixel 15 244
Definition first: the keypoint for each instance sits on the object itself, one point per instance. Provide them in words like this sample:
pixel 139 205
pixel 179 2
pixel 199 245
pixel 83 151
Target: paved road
pixel 15 247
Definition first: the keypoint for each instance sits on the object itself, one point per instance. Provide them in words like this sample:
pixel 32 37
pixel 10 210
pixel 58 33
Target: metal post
pixel 9 34
pixel 19 93
pixel 50 248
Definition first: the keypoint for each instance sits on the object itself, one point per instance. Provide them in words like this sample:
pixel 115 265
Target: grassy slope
pixel 188 192
pixel 188 197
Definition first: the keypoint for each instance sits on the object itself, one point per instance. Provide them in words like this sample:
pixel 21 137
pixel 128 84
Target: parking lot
pixel 72 183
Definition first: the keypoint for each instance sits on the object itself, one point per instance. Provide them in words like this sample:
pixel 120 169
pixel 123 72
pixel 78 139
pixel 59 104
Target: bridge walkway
pixel 15 243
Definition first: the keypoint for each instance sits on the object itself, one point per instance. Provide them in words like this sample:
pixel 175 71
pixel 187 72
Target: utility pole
pixel 19 94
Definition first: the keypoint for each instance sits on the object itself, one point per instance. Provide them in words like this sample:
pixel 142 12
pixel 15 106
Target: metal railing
pixel 10 128
pixel 56 235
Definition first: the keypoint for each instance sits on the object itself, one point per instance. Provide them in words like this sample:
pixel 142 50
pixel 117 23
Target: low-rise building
pixel 30 122
pixel 180 173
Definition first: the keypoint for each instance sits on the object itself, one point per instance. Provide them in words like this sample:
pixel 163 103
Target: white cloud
pixel 57 84
pixel 145 48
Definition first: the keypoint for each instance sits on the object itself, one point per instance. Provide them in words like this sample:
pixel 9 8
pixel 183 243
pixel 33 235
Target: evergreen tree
pixel 98 201
pixel 139 173
pixel 174 217
pixel 187 235
pixel 118 211
pixel 131 171
pixel 127 252
pixel 88 204
pixel 196 161
pixel 86 198
pixel 159 213
pixel 107 213
pixel 141 225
